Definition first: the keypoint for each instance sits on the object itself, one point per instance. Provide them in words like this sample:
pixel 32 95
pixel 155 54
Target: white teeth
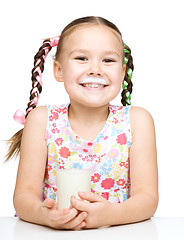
pixel 93 85
pixel 94 80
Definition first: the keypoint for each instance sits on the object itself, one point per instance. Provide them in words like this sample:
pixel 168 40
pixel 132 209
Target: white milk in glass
pixel 70 182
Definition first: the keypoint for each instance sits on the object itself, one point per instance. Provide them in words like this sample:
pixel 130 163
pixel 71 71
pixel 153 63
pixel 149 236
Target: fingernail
pixel 84 215
pixel 83 224
pixel 66 211
pixel 82 193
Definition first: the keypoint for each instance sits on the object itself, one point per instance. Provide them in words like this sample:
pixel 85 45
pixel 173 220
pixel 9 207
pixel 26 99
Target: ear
pixel 58 71
pixel 123 72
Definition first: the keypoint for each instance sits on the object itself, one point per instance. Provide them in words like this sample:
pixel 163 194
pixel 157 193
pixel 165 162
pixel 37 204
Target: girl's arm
pixel 31 170
pixel 144 180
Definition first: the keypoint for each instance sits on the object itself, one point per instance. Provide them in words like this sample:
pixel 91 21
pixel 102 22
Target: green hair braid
pixel 127 83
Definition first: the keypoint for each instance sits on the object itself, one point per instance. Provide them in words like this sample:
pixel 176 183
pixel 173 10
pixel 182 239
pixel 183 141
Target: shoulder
pixel 37 117
pixel 35 127
pixel 141 120
pixel 137 113
pixel 38 113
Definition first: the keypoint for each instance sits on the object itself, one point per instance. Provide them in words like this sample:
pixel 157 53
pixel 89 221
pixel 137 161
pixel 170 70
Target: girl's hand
pixel 100 210
pixel 64 218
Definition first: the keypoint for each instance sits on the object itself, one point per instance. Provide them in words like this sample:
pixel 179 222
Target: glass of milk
pixel 70 182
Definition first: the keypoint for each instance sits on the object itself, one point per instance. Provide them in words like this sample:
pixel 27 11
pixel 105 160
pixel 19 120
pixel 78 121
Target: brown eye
pixel 108 60
pixel 81 58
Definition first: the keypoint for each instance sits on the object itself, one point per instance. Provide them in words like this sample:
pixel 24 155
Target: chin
pixel 95 104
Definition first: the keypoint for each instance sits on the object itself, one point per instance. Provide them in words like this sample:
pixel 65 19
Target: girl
pixel 117 142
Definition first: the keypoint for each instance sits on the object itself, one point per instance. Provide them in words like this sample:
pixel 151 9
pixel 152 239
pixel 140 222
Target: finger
pixel 67 215
pixel 79 205
pixel 49 203
pixel 80 226
pixel 71 204
pixel 59 218
pixel 78 222
pixel 91 197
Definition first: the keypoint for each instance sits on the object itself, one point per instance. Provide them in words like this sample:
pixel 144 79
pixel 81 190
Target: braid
pixel 19 116
pixel 37 71
pixel 127 83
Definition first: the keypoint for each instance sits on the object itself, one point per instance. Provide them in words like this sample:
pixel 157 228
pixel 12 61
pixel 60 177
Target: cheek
pixel 74 71
pixel 117 76
pixel 116 71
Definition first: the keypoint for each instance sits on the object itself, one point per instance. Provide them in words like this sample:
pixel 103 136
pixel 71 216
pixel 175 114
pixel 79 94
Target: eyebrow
pixel 86 51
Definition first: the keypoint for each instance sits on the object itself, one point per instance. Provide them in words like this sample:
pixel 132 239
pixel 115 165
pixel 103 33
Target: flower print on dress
pixel 106 155
pixel 122 139
pixel 75 140
pixel 113 153
pixel 55 115
pixel 95 178
pixel 99 137
pixel 49 167
pixel 53 196
pixel 64 152
pixel 50 159
pixel 54 172
pixel 63 110
pixel 105 195
pixel 124 164
pixel 100 158
pixel 47 136
pixel 117 172
pixel 97 148
pixel 47 185
pixel 108 183
pixel 90 158
pixel 59 110
pixel 78 165
pixel 51 118
pixel 52 148
pixel 106 137
pixel 116 131
pixel 59 141
pixel 105 169
pixel 55 129
pixel 127 111
pixel 121 182
pixel 115 120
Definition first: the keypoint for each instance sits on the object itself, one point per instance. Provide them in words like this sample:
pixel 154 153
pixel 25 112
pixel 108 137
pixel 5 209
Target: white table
pixel 153 229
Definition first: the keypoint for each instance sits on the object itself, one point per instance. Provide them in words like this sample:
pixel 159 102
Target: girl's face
pixel 91 51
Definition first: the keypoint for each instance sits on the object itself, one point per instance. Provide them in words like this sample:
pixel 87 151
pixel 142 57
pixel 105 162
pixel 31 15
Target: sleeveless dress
pixel 107 155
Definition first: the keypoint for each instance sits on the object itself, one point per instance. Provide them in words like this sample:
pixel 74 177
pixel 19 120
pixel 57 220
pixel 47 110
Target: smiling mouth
pixel 94 82
pixel 93 85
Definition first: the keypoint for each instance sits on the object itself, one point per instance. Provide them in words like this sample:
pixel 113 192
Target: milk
pixel 70 182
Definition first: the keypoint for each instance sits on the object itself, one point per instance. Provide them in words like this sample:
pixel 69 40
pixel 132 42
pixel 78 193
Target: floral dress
pixel 107 155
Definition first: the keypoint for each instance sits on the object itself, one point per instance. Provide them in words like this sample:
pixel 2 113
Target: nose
pixel 95 69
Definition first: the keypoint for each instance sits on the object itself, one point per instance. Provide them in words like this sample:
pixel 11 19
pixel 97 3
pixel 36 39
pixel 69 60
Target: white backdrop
pixel 153 30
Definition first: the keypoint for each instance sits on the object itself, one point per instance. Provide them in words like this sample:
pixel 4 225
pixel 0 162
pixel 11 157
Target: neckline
pixel 85 140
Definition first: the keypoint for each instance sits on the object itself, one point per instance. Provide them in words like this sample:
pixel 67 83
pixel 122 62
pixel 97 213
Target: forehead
pixel 93 36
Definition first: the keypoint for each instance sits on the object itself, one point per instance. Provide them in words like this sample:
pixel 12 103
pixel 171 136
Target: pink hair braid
pixel 37 83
